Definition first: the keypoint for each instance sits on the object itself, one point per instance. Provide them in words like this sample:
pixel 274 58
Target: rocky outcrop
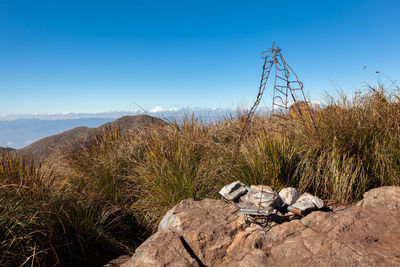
pixel 214 233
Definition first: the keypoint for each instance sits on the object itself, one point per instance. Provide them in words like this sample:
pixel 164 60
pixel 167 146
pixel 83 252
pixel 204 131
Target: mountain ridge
pixel 46 146
pixel 20 130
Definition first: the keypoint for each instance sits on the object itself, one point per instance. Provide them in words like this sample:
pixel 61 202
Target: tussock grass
pixel 72 214
pixel 177 164
pixel 100 198
pixel 355 147
pixel 26 212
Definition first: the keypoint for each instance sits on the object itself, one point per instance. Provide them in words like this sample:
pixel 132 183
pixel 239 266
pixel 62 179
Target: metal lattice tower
pixel 287 89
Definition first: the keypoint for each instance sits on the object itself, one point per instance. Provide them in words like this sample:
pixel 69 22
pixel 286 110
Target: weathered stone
pixel 304 204
pixel 261 196
pixel 308 201
pixel 286 229
pixel 293 251
pixel 169 220
pixel 254 259
pixel 386 197
pixel 172 253
pixel 318 221
pixel 212 233
pixel 233 191
pixel 289 195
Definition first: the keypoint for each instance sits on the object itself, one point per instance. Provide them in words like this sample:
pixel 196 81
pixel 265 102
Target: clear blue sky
pixel 94 56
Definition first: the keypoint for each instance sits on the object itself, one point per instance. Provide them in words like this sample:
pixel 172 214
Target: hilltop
pixel 5 149
pixel 46 146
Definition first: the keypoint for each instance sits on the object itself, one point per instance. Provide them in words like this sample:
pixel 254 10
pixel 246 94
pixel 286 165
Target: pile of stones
pixel 264 197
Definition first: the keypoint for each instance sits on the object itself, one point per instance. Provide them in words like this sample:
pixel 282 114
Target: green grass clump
pixel 177 163
pixel 267 158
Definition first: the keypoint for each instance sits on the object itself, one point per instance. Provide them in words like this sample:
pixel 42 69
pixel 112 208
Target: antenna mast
pixel 287 90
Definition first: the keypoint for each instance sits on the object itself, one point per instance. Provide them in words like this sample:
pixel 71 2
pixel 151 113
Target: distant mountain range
pixel 156 112
pixel 46 146
pixel 18 131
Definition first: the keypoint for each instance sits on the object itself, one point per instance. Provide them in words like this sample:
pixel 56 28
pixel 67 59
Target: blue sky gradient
pixel 98 56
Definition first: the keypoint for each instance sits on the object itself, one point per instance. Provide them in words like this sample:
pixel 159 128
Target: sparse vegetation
pixel 102 197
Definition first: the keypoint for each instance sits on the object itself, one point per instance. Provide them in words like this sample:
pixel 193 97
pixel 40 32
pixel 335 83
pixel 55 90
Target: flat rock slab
pixel 233 191
pixel 212 233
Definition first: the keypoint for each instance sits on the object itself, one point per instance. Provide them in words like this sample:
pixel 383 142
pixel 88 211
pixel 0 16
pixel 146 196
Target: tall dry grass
pixel 76 213
pixel 355 146
pixel 25 211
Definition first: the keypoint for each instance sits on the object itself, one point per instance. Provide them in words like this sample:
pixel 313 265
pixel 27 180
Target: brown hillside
pixel 127 123
pixel 44 147
pixel 5 150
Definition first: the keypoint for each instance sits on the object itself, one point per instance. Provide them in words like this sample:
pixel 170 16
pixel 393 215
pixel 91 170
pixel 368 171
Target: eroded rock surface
pixel 213 233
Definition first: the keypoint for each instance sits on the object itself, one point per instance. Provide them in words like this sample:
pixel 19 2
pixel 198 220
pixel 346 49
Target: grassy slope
pixel 45 147
pixel 102 197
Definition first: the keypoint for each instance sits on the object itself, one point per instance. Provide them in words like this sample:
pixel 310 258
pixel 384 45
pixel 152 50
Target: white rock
pixel 289 195
pixel 304 204
pixel 233 191
pixel 317 201
pixel 308 201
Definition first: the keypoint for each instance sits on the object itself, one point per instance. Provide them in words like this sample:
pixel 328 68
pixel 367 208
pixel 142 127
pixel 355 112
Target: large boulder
pixel 386 197
pixel 191 231
pixel 214 233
